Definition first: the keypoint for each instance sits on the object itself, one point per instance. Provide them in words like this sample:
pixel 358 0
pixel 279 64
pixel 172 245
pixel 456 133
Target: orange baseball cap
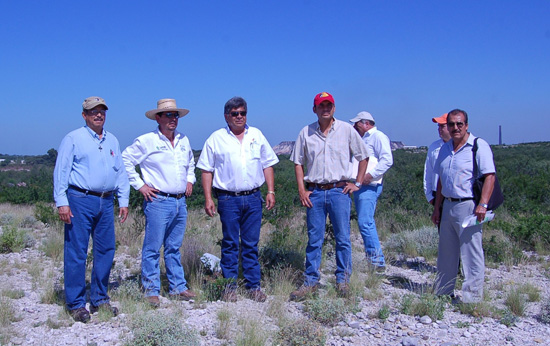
pixel 440 120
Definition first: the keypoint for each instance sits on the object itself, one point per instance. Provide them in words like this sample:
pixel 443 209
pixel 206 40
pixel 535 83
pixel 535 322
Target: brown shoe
pixel 153 301
pixel 229 295
pixel 80 315
pixel 303 293
pixel 256 295
pixel 185 295
pixel 106 306
pixel 342 289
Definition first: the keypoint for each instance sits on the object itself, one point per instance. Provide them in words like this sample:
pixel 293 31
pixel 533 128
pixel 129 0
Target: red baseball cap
pixel 440 120
pixel 324 96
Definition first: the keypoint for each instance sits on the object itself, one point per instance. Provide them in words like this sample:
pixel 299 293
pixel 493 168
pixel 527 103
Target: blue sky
pixel 403 61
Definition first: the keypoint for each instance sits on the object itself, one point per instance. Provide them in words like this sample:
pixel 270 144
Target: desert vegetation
pixel 519 235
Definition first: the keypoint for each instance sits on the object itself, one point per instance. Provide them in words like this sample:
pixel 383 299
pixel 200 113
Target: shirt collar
pixel 95 135
pixel 161 135
pixel 231 133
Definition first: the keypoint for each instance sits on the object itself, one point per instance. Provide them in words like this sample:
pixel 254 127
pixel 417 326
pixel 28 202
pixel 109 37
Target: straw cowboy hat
pixel 166 105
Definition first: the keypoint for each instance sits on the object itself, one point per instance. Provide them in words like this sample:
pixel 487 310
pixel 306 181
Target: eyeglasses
pixel 171 115
pixel 95 112
pixel 459 124
pixel 234 114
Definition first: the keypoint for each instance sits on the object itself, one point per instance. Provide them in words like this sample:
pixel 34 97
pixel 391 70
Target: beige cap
pixel 93 101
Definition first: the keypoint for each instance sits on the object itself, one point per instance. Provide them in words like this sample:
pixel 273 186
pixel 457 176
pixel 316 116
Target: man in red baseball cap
pixel 325 148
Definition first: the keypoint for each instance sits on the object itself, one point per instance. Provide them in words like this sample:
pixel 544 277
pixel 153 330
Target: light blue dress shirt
pixel 91 163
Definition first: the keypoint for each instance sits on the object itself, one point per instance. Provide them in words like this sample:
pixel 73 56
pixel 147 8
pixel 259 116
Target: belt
pixel 175 195
pixel 93 193
pixel 235 194
pixel 327 186
pixel 459 199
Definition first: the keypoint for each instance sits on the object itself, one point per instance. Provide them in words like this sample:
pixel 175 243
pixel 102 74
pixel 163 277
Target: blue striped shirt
pixel 91 163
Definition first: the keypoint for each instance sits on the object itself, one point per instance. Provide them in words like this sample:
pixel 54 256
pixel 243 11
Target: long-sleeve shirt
pixel 328 159
pixel 90 163
pixel 430 177
pixel 164 167
pixel 237 165
pixel 378 145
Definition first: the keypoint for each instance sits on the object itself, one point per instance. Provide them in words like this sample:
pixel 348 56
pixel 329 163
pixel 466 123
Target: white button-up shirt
pixel 165 168
pixel 430 177
pixel 237 166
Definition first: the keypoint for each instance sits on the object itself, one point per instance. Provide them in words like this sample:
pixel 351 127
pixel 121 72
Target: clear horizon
pixel 404 62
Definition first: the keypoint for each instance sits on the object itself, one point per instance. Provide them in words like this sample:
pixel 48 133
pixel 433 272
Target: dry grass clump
pixel 301 332
pixel 158 328
pixel 419 242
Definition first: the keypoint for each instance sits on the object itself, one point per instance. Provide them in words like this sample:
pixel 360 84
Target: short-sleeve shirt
pixel 455 169
pixel 237 165
pixel 328 159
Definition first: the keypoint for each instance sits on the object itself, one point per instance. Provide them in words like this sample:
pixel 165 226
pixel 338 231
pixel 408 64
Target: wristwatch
pixel 358 184
pixel 484 205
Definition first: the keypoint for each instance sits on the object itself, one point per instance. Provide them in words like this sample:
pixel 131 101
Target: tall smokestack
pixel 499 134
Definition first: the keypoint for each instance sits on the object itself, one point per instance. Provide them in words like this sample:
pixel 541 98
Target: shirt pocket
pixel 255 150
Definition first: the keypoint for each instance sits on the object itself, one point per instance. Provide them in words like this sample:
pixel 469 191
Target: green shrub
pixel 213 290
pixel 13 240
pixel 157 328
pixel 384 312
pixel 326 311
pixel 46 213
pixel 425 304
pixel 301 332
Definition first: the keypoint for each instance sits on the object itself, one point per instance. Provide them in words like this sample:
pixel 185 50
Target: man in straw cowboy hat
pixel 235 161
pixel 88 173
pixel 167 167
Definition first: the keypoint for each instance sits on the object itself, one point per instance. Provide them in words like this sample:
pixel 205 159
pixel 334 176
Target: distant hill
pixel 285 148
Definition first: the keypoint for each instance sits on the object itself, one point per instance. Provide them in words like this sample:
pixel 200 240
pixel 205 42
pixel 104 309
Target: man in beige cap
pixel 430 178
pixel 88 173
pixel 168 174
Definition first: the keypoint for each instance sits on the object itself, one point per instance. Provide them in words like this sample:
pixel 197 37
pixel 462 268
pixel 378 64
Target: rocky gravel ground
pixel 46 324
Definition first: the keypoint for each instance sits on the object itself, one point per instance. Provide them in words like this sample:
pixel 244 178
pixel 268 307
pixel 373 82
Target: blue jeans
pixel 92 216
pixel 241 216
pixel 365 205
pixel 165 221
pixel 337 205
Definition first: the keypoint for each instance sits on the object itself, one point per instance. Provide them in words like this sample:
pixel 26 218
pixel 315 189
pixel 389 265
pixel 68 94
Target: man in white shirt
pixel 235 161
pixel 168 174
pixel 380 160
pixel 430 178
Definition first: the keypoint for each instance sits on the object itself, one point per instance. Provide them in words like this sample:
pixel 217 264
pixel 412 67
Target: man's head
pixel 457 124
pixel 235 111
pixel 323 106
pixel 442 127
pixel 363 122
pixel 167 115
pixel 94 112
